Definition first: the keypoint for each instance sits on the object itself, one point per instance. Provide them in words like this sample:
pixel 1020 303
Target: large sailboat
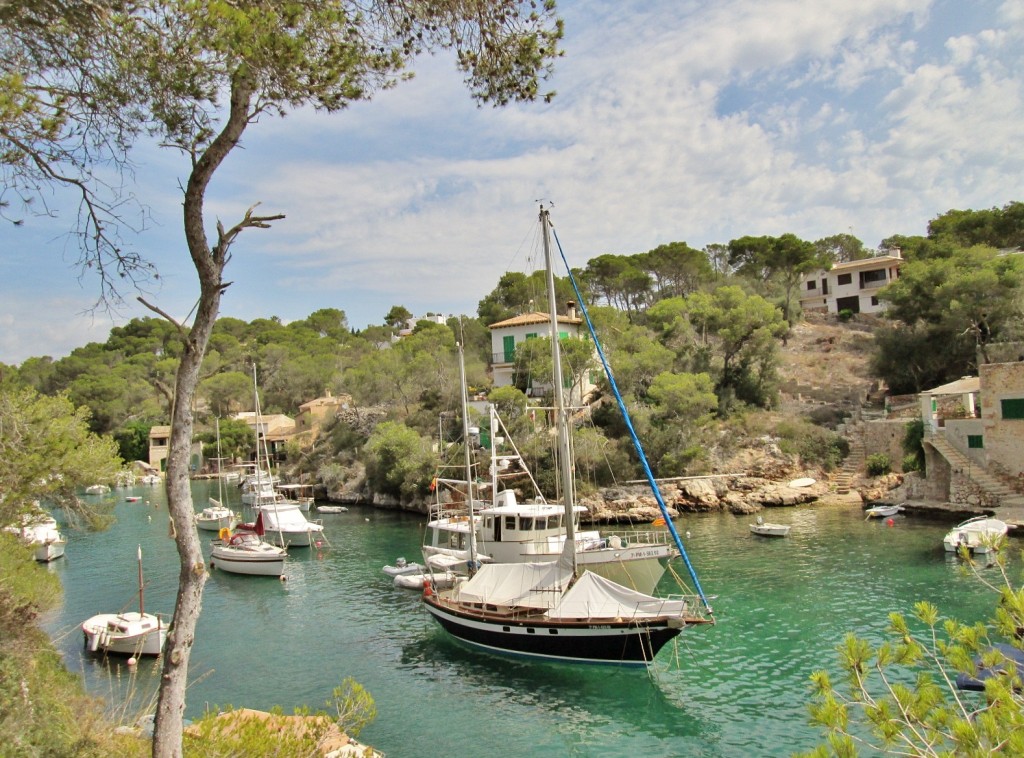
pixel 561 610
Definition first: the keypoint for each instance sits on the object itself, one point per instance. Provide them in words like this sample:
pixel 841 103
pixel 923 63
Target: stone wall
pixel 885 436
pixel 1003 437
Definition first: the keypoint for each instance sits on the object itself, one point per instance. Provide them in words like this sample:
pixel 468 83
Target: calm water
pixel 739 688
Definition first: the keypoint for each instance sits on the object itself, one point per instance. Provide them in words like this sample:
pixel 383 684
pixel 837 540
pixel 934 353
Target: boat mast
pixel 142 608
pixel 469 462
pixel 561 414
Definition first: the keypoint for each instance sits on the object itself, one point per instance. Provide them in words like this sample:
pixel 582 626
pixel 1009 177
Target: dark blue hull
pixel 621 643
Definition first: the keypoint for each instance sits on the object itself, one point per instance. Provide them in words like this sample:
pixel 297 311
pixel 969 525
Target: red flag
pixel 660 521
pixel 259 525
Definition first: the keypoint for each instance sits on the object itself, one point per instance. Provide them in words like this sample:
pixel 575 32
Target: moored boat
pixel 982 534
pixel 768 529
pixel 558 610
pixel 39 530
pixel 132 633
pixel 882 511
pixel 245 552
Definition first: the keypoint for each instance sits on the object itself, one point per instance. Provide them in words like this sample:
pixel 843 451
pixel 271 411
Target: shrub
pixel 845 314
pixel 911 462
pixel 878 464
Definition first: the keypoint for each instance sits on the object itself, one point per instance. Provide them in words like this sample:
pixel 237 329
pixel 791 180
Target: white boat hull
pixel 247 554
pixel 770 530
pixel 50 551
pixel 125 633
pixel 977 535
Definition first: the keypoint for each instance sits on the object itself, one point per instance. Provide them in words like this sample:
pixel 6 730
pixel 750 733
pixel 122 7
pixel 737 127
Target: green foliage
pixel 226 733
pixel 399 461
pixel 913 438
pixel 815 445
pixel 49 454
pixel 963 301
pixel 845 314
pixel 43 709
pixel 133 441
pixel 878 464
pixel 900 698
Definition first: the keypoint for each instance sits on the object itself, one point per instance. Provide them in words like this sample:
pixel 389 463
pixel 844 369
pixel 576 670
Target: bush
pixel 911 463
pixel 845 314
pixel 878 464
pixel 815 446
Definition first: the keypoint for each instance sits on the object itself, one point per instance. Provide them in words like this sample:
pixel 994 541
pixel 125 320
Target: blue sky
pixel 675 120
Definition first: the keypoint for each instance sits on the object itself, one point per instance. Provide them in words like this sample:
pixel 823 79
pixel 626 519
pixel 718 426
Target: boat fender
pixel 224 534
pixel 427 590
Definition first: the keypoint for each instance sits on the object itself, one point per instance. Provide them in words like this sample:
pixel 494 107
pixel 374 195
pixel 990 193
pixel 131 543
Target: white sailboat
pixel 216 515
pixel 131 633
pixel 283 520
pixel 558 610
pixel 246 552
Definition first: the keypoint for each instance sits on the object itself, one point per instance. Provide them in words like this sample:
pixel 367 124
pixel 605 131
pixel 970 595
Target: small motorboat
pixel 976 535
pixel 97 489
pixel 882 511
pixel 331 509
pixel 767 529
pixel 132 499
pixel 417 581
pixel 215 517
pixel 403 567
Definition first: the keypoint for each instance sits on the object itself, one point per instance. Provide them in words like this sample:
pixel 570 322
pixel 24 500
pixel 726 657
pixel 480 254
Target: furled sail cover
pixel 594 597
pixel 521 585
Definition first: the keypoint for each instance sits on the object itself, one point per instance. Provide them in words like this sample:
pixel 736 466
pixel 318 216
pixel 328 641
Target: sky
pixel 694 121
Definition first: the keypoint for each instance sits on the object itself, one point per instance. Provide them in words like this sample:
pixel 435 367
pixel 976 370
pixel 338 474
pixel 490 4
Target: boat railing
pixel 654 537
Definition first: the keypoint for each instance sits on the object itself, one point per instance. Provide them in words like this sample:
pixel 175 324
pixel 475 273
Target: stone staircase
pixel 993 486
pixel 852 466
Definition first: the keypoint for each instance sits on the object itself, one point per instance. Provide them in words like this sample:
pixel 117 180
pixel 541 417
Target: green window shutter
pixel 975 441
pixel 531 336
pixel 563 335
pixel 508 345
pixel 1013 407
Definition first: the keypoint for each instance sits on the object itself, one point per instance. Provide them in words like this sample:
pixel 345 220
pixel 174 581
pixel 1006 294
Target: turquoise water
pixel 739 688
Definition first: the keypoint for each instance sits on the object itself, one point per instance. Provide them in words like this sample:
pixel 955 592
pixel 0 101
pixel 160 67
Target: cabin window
pixel 526 524
pixel 488 522
pixel 844 279
pixel 542 523
pixel 1013 407
pixel 530 630
pixel 975 441
pixel 510 522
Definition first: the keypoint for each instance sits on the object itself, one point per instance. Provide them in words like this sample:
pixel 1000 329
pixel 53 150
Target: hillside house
pixel 275 429
pixel 508 335
pixel 159 448
pixel 851 286
pixel 315 414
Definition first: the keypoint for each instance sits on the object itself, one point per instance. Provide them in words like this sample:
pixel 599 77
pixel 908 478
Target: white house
pixel 508 335
pixel 851 286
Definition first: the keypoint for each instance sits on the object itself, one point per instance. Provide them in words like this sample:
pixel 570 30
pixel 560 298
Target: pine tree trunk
pixel 209 264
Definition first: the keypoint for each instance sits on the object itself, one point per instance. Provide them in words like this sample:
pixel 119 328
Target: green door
pixel 508 344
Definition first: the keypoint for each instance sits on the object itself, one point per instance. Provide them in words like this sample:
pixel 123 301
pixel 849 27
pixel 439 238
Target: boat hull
pixel 620 643
pixel 770 530
pixel 249 563
pixel 49 551
pixel 977 535
pixel 101 634
pixel 305 538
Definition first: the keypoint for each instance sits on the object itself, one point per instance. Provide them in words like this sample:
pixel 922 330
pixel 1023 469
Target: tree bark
pixel 170 711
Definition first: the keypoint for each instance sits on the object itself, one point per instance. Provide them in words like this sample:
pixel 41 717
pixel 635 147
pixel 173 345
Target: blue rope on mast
pixel 629 426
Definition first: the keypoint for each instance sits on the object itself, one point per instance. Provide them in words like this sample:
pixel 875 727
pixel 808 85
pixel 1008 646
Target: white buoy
pixel 687 534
